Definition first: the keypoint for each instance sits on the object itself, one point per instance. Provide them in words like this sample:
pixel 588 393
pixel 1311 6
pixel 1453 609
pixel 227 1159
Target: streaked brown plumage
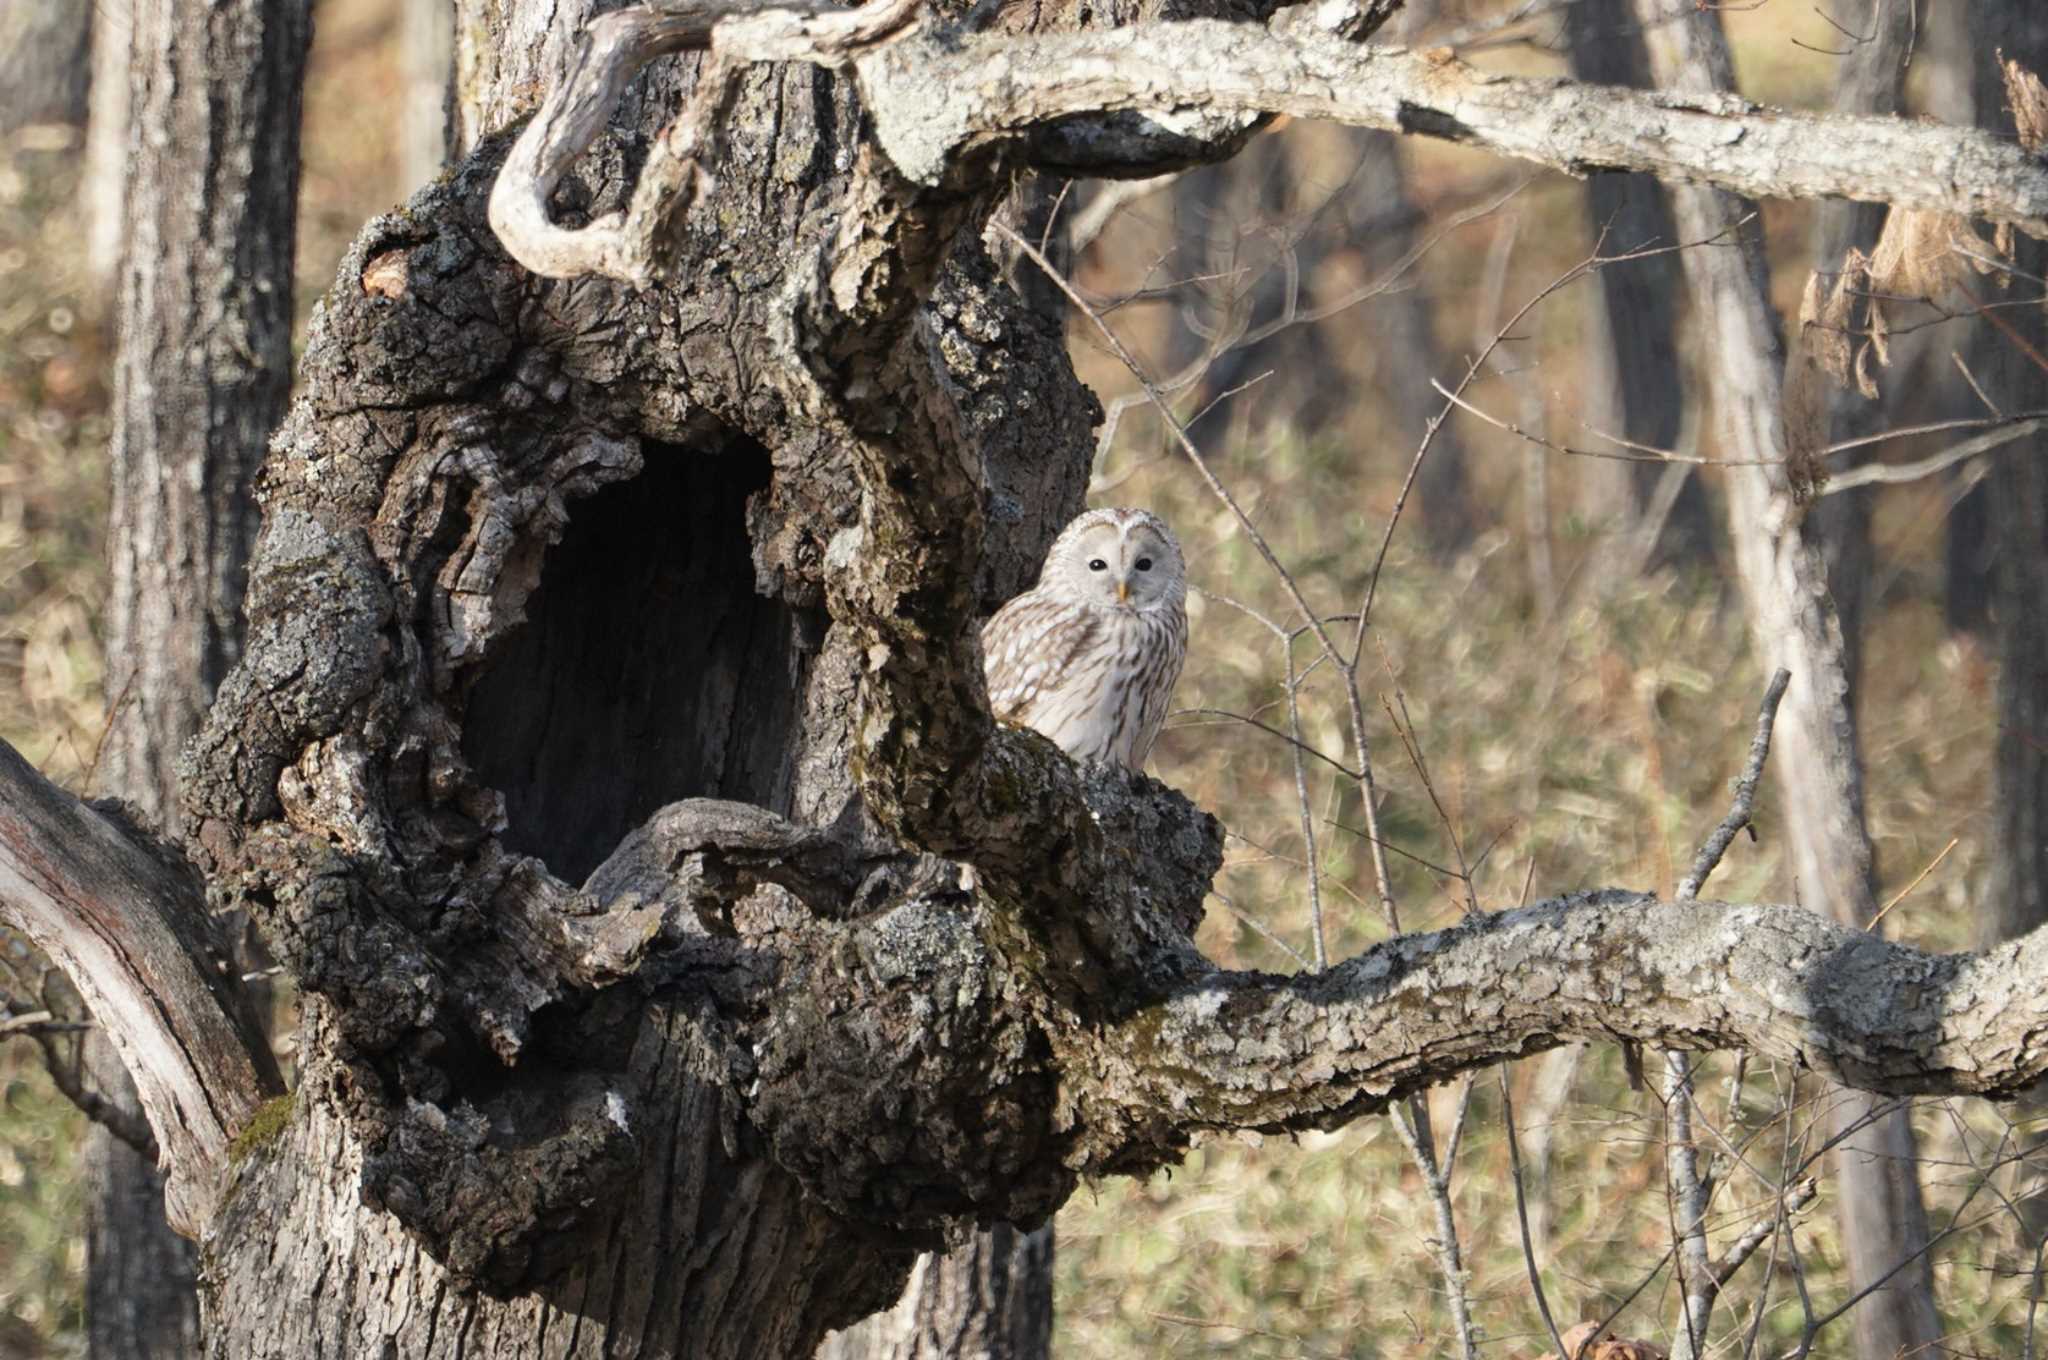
pixel 1089 655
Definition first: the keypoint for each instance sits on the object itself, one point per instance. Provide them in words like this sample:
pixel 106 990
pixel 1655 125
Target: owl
pixel 1089 655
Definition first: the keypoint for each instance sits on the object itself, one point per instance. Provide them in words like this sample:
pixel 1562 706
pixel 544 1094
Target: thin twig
pixel 1900 895
pixel 1308 819
pixel 1745 792
pixel 1689 1198
pixel 1891 474
pixel 1450 1262
pixel 1507 1115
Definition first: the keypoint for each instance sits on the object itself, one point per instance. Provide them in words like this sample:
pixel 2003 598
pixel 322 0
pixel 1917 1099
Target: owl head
pixel 1117 557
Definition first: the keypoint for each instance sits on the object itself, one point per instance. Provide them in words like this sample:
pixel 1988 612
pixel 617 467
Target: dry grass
pixel 1578 743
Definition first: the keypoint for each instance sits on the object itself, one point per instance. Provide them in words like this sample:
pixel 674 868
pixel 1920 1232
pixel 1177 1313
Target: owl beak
pixel 1123 592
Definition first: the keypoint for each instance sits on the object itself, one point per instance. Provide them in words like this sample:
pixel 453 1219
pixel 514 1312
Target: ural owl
pixel 1089 655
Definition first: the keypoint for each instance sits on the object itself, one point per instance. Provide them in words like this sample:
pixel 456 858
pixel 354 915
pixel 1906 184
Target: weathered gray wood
pixel 938 98
pixel 1817 763
pixel 126 920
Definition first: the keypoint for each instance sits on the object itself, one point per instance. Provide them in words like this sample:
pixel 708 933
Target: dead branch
pixel 129 927
pixel 1149 98
pixel 1745 791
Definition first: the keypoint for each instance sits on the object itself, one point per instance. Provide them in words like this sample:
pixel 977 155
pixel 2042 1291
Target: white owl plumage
pixel 1089 655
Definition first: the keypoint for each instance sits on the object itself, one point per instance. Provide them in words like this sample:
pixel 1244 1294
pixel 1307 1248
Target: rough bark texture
pixel 610 749
pixel 204 367
pixel 988 1300
pixel 2017 500
pixel 45 62
pixel 1817 763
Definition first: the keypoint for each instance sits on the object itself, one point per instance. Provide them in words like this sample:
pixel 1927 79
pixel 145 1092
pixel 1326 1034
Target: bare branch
pixel 130 929
pixel 1745 791
pixel 931 101
pixel 1783 982
pixel 1148 98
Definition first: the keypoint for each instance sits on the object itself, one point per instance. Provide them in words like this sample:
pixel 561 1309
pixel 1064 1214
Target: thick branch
pixel 130 928
pixel 932 101
pixel 1314 1050
pixel 1140 99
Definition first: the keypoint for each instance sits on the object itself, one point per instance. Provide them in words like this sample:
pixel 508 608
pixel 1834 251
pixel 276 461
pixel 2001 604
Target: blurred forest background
pixel 1557 641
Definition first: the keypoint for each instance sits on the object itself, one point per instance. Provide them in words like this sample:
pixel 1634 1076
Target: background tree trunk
pixel 201 380
pixel 45 66
pixel 427 51
pixel 1872 80
pixel 102 188
pixel 1816 762
pixel 2016 492
pixel 1634 382
pixel 988 1300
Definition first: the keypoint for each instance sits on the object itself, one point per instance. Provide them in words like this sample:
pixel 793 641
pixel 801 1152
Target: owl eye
pixel 1097 564
pixel 1144 564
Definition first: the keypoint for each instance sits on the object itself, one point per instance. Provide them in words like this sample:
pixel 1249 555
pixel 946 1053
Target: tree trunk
pixel 1634 381
pixel 988 1300
pixel 646 640
pixel 1870 80
pixel 1816 760
pixel 427 59
pixel 201 380
pixel 610 745
pixel 45 62
pixel 2016 494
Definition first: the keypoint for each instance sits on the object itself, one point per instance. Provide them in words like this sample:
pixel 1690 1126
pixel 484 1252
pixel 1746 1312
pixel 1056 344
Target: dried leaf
pixel 387 276
pixel 1926 254
pixel 2029 101
pixel 1824 323
pixel 1580 1342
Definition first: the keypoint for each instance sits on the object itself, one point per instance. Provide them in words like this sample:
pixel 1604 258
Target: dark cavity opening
pixel 648 670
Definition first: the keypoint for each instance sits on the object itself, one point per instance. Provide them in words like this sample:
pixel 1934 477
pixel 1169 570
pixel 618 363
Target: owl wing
pixel 1030 648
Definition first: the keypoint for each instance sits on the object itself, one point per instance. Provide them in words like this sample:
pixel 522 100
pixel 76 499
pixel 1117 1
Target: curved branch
pixel 1241 1050
pixel 625 245
pixel 129 926
pixel 931 102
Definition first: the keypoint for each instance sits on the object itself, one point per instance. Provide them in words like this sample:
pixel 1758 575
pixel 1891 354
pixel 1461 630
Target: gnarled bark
pixel 610 748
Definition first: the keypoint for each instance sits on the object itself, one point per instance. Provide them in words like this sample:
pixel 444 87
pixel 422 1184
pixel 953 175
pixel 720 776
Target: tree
pixel 204 316
pixel 610 730
pixel 1783 571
